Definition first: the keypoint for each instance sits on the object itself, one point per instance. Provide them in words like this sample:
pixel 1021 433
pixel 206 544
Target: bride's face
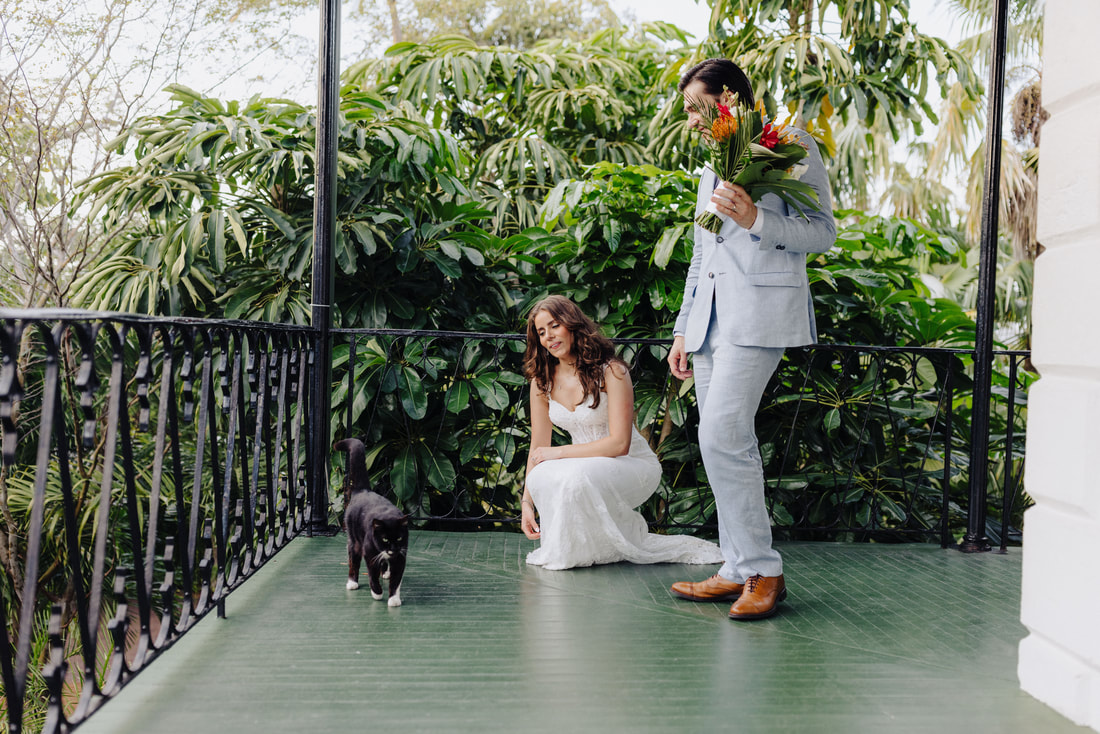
pixel 554 336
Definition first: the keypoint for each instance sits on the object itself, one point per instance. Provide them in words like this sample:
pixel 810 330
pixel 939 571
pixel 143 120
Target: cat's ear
pixel 404 521
pixel 376 523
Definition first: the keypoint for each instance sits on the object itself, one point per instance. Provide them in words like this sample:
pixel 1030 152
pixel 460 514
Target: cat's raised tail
pixel 355 476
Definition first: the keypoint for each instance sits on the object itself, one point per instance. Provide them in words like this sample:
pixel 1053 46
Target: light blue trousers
pixel 729 382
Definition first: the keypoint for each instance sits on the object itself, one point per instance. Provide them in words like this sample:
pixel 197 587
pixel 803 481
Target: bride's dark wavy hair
pixel 593 350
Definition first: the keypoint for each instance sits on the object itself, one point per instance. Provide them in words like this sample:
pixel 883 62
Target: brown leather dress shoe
pixel 715 588
pixel 761 595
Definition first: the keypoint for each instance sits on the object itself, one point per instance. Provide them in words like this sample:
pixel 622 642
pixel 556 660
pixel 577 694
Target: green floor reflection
pixel 873 638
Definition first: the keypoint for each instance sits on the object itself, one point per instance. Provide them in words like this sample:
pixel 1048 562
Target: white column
pixel 1060 658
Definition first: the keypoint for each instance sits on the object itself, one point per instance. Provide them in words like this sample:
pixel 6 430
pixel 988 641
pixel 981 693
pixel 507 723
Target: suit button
pixel 781 247
pixel 720 240
pixel 710 275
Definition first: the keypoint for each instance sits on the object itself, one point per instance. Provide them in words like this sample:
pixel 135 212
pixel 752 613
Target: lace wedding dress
pixel 586 505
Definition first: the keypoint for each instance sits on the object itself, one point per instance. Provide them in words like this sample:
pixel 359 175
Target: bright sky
pixel 687 14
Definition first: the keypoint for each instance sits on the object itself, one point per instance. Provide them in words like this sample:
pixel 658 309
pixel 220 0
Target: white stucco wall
pixel 1060 658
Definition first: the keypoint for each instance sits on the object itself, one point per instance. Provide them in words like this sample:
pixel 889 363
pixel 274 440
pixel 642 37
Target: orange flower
pixel 723 128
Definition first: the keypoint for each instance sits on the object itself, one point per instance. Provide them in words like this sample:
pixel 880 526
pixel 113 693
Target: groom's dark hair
pixel 718 75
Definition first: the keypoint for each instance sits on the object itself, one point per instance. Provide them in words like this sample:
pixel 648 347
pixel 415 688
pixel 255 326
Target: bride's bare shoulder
pixel 617 369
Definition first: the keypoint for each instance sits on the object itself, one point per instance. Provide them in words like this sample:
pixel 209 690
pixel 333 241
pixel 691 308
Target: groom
pixel 746 299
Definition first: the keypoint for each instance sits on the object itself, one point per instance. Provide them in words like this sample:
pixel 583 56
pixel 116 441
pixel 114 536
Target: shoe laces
pixel 752 582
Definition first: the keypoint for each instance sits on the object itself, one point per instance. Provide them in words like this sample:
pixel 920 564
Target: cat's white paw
pixel 395 600
pixel 352 585
pixel 386 574
pixel 378 597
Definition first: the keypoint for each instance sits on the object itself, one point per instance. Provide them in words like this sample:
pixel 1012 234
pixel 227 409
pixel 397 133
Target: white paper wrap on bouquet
pixel 713 208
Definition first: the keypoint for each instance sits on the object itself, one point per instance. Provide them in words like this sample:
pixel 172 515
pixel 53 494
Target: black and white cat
pixel 377 531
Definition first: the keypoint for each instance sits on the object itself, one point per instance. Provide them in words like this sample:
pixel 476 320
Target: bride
pixel 586 492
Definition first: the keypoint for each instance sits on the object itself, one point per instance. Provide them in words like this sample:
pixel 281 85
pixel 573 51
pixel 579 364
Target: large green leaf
pixel 437 467
pixel 457 397
pixel 414 399
pixel 490 391
pixel 404 474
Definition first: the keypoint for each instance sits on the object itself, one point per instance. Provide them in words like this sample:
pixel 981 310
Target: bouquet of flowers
pixel 760 156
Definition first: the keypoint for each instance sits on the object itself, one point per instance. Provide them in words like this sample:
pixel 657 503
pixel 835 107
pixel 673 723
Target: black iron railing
pixel 858 443
pixel 151 465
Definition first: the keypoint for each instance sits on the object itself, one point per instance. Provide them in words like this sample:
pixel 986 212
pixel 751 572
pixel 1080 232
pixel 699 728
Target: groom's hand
pixel 678 359
pixel 734 202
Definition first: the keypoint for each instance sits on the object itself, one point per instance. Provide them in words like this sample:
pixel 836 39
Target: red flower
pixel 769 136
pixel 724 110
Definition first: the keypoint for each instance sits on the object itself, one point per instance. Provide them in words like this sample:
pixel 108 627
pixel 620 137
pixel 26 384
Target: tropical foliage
pixel 220 216
pixel 529 119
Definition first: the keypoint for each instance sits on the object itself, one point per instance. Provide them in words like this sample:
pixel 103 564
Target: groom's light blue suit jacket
pixel 757 285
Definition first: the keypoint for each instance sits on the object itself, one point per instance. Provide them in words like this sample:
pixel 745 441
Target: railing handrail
pixel 75 314
pixel 517 336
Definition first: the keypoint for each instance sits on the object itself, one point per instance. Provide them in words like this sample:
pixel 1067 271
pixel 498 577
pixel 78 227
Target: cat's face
pixel 391 535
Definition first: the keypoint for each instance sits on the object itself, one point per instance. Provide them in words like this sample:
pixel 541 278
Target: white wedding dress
pixel 586 505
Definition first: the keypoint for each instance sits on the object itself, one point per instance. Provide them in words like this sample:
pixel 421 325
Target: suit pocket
pixel 773 267
pixel 788 279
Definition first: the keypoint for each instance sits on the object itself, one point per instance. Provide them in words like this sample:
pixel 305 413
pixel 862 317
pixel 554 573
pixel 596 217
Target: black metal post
pixel 324 234
pixel 975 539
pixel 1009 495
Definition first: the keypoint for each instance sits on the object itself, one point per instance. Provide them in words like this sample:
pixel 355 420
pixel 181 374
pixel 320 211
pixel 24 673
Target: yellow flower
pixel 786 133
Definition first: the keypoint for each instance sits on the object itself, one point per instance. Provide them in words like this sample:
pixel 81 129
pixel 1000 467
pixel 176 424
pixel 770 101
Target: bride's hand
pixel 527 521
pixel 545 453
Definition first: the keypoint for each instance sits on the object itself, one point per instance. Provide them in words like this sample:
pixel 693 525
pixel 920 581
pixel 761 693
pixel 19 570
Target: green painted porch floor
pixel 873 638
